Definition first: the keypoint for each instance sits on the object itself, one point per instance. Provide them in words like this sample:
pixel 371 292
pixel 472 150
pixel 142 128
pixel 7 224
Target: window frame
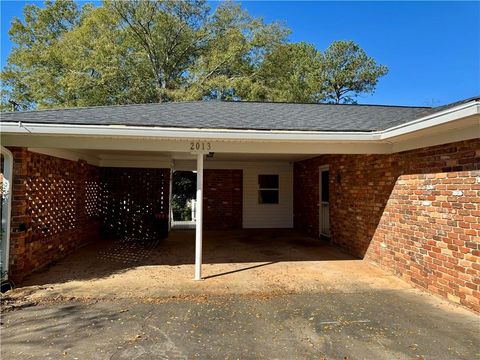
pixel 260 189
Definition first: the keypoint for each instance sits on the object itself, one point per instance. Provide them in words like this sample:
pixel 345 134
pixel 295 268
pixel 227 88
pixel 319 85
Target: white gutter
pixel 435 119
pixel 176 133
pixel 442 117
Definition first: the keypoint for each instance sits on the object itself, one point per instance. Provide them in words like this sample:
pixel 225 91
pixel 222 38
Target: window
pixel 325 186
pixel 268 189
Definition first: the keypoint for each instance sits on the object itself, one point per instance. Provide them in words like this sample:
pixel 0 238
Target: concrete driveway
pixel 369 325
pixel 267 295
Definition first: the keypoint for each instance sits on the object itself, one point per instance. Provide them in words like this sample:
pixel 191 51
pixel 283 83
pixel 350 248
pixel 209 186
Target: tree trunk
pixel 338 97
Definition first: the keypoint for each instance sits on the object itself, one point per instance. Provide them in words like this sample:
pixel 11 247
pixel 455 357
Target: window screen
pixel 268 186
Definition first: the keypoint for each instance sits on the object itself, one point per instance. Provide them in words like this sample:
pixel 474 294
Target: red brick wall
pixel 404 211
pixel 59 205
pixel 50 210
pixel 429 234
pixel 222 199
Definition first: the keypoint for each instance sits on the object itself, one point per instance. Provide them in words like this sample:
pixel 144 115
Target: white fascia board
pixel 439 118
pixel 180 133
pixel 443 137
pixel 442 117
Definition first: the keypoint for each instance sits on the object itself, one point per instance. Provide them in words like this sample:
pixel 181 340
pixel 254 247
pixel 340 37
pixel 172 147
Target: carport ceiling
pixel 102 154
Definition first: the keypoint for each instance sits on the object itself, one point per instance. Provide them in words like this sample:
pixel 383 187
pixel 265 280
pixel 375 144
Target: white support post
pixel 170 187
pixel 199 219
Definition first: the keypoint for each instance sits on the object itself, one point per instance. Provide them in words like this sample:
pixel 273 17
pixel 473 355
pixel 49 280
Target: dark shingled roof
pixel 233 115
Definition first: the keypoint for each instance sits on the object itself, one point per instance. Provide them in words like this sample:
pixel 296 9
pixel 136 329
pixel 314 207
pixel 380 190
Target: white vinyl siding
pixel 257 215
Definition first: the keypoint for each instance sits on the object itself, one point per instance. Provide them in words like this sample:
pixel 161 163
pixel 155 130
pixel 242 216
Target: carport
pixel 75 195
pixel 394 185
pixel 83 172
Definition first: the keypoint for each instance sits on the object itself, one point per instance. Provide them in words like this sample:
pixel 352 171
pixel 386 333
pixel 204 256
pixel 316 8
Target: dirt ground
pixel 235 262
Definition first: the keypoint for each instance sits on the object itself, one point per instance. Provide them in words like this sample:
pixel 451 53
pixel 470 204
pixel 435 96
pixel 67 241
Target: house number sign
pixel 200 146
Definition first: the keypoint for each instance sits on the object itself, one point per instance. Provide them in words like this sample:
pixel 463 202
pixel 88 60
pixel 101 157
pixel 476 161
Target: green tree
pixel 291 73
pixel 106 65
pixel 35 64
pixel 348 71
pixel 170 32
pixel 301 73
pixel 237 45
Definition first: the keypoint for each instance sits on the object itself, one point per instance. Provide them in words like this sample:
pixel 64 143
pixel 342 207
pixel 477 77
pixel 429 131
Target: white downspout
pixel 199 219
pixel 7 206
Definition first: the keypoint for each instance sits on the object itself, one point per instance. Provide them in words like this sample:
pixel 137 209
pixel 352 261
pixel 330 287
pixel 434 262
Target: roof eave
pixel 432 120
pixel 443 117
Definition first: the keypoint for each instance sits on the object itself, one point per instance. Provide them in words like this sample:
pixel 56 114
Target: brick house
pixel 397 186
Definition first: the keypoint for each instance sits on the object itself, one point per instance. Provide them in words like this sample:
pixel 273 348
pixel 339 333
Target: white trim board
pixel 182 145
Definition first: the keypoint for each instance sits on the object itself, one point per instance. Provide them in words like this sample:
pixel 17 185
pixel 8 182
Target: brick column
pixel 19 216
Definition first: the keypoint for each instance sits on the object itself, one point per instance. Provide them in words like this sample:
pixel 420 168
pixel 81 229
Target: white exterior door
pixel 324 213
